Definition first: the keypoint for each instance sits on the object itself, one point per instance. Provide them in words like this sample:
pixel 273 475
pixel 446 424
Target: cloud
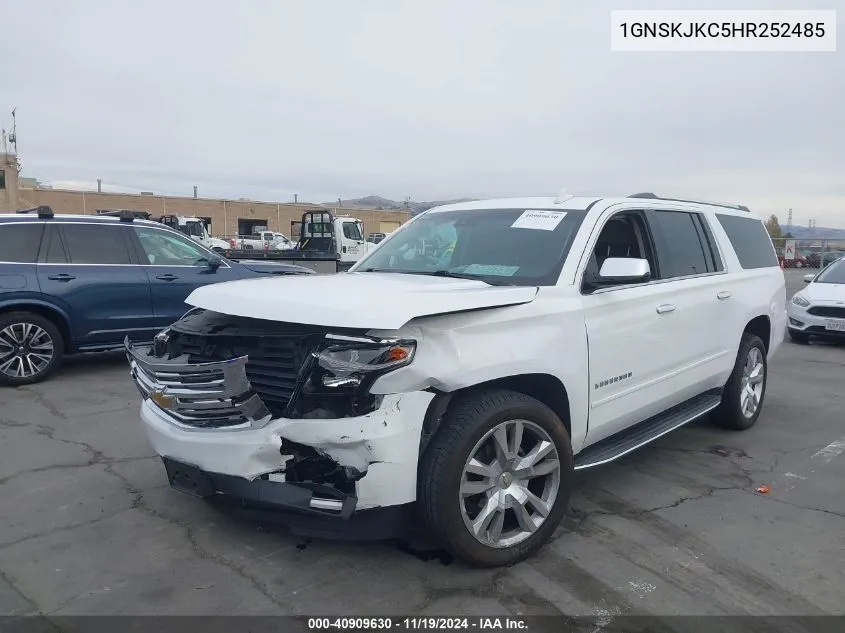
pixel 427 99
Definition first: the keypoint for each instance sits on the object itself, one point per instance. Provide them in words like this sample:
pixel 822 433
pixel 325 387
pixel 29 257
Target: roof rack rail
pixel 652 196
pixel 43 211
pixel 126 215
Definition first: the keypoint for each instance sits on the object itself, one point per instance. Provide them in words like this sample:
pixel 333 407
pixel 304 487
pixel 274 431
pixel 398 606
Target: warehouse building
pixel 223 217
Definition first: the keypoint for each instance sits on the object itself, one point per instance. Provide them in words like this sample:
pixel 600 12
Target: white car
pixel 819 309
pixel 511 342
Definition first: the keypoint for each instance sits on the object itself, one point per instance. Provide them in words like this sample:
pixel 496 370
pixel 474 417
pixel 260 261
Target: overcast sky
pixel 431 99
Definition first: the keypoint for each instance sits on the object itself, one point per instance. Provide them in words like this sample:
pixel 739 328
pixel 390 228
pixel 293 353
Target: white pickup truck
pixel 468 366
pixel 265 240
pixel 193 227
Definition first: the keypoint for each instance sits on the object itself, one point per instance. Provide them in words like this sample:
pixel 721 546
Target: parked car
pixel 819 309
pixel 518 341
pixel 83 283
pixel 798 261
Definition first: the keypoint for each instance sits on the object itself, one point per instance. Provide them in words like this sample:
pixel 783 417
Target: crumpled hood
pixel 825 292
pixel 381 301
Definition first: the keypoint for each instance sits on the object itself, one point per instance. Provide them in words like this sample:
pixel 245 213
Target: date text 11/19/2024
pixel 416 623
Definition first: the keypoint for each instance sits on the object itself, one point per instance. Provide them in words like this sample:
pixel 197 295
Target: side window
pixel 710 246
pixel 19 243
pixel 351 231
pixel 750 240
pixel 163 248
pixel 623 235
pixel 678 239
pixel 55 251
pixel 95 244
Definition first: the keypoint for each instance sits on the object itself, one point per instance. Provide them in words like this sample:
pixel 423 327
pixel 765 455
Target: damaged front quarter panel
pixel 381 448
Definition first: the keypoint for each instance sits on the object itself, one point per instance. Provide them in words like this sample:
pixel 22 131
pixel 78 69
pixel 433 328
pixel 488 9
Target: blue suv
pixel 83 283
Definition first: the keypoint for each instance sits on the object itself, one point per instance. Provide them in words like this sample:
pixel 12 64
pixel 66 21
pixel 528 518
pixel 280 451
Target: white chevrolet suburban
pixel 462 371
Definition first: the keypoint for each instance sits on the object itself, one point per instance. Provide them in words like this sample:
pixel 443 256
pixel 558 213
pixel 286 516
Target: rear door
pixel 90 271
pixel 175 266
pixel 702 300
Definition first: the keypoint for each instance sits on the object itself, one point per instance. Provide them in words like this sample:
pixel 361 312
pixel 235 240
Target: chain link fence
pixel 807 253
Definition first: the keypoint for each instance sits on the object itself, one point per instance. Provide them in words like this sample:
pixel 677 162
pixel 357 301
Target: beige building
pixel 8 182
pixel 224 217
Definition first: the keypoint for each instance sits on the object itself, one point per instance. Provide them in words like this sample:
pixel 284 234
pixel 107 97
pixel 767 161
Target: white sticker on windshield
pixel 543 220
pixel 490 269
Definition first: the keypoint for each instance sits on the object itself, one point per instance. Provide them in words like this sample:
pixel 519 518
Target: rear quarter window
pixel 750 241
pixel 19 243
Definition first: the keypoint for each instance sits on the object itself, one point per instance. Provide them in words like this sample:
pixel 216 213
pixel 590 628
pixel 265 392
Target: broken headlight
pixel 349 364
pixel 342 371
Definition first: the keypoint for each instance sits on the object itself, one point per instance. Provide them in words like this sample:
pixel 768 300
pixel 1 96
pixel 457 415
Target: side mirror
pixel 214 263
pixel 623 270
pixel 808 278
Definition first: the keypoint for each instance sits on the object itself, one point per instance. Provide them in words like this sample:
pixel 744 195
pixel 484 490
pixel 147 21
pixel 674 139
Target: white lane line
pixel 831 451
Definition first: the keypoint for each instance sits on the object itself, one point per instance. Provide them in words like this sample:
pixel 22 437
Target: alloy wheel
pixel 25 350
pixel 509 484
pixel 753 378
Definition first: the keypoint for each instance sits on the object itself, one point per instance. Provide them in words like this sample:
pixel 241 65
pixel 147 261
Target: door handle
pixel 167 277
pixel 666 307
pixel 723 295
pixel 61 277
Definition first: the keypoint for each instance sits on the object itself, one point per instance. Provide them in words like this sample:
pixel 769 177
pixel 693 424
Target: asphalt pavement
pixel 89 526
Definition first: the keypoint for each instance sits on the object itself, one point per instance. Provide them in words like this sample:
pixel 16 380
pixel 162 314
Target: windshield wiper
pixel 454 275
pixel 437 273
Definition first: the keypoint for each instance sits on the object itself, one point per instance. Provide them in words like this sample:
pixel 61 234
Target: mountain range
pixel 383 204
pixel 816 233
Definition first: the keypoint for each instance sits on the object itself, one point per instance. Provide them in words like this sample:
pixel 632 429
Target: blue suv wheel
pixel 31 348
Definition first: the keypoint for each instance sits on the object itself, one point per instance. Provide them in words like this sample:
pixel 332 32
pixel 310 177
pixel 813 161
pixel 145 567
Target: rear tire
pixel 31 348
pixel 475 473
pixel 799 337
pixel 742 400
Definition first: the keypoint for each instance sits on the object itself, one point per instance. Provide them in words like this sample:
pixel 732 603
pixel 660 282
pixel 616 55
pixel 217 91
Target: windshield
pixel 499 246
pixel 833 274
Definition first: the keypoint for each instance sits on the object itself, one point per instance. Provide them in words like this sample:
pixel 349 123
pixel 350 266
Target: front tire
pixel 31 348
pixel 742 400
pixel 496 479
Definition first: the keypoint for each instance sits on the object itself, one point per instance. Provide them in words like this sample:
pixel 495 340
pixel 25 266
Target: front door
pixel 353 246
pixel 175 266
pixel 632 331
pixel 90 271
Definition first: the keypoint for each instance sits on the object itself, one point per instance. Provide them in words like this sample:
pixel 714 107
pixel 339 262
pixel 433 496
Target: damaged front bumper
pixel 324 468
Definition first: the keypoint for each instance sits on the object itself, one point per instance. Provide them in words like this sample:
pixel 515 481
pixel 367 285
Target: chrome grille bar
pixel 197 395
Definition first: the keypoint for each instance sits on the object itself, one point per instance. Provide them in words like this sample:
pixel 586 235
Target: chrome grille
pixel 198 394
pixel 272 366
